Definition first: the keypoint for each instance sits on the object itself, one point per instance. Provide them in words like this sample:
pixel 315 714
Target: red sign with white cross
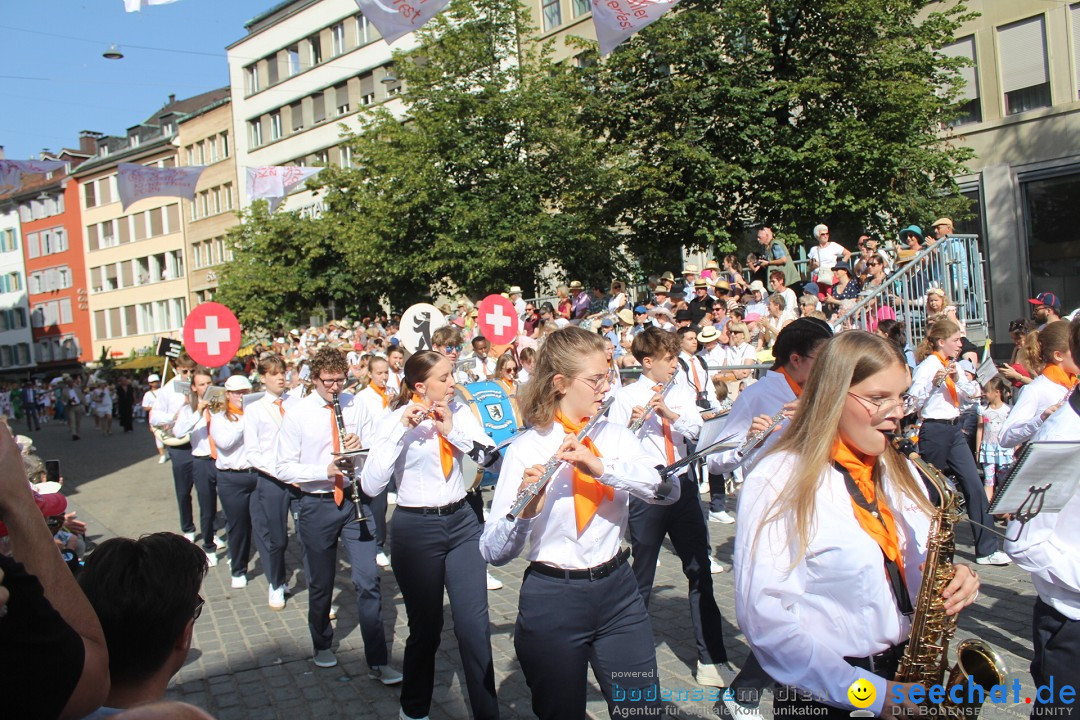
pixel 497 320
pixel 211 334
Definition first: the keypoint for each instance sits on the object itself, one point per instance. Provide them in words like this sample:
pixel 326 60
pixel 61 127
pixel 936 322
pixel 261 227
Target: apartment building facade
pixel 16 339
pixel 305 67
pixel 206 138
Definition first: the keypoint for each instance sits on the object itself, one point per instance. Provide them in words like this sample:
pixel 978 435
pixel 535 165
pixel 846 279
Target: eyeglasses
pixel 330 382
pixel 453 349
pixel 198 608
pixel 885 407
pixel 185 371
pixel 598 383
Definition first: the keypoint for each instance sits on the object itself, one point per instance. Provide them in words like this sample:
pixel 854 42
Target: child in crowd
pixel 995 459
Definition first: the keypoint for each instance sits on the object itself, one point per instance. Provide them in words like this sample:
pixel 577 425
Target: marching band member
pixel 167 404
pixel 436 535
pixel 1048 547
pixel 938 389
pixel 482 365
pixel 506 372
pixel 579 602
pixel 377 398
pixel 1042 397
pixel 833 513
pixel 395 356
pixel 236 478
pixel 270 504
pixel 193 419
pixel 309 434
pixel 526 357
pixel 672 418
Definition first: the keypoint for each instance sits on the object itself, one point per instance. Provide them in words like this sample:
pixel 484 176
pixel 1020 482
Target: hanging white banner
pixel 136 182
pixel 273 182
pixel 396 18
pixel 11 171
pixel 137 5
pixel 616 20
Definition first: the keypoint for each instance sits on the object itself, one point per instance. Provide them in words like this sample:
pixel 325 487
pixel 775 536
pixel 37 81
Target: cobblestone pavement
pixel 250 662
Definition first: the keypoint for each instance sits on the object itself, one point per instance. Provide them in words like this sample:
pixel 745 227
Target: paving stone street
pixel 250 662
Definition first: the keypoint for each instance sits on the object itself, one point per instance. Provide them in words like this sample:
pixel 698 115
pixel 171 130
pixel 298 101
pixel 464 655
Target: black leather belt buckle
pixel 597 572
pixel 953 421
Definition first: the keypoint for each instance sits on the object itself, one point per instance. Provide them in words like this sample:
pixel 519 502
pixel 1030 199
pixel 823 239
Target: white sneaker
pixel 493 583
pixel 381 560
pixel 402 716
pixel 705 488
pixel 211 559
pixel 384 674
pixel 709 675
pixel 219 543
pixel 739 711
pixel 994 558
pixel 391 498
pixel 277 598
pixel 162 459
pixel 333 612
pixel 714 566
pixel 720 516
pixel 190 537
pixel 239 581
pixel 325 659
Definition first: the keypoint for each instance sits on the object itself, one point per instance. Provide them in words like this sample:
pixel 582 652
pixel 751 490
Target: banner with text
pixel 396 18
pixel 273 182
pixel 11 171
pixel 616 20
pixel 136 182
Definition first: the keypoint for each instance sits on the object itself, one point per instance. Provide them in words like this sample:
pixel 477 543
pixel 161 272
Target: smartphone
pixel 52 471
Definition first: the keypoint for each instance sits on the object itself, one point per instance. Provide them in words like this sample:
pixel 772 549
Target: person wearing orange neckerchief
pixel 1048 350
pixel 579 602
pixel 193 419
pixel 506 368
pixel 938 388
pixel 832 532
pixel 236 476
pixel 421 442
pixel 377 396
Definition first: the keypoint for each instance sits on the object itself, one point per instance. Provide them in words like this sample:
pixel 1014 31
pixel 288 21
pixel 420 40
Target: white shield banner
pixel 396 18
pixel 616 20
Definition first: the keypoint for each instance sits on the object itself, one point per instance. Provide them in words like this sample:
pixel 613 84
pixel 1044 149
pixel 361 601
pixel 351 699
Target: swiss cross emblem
pixel 211 334
pixel 498 321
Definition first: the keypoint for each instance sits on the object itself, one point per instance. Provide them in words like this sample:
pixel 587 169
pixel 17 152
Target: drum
pixel 499 414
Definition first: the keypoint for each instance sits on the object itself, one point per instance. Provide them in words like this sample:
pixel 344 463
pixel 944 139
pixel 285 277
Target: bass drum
pixel 499 414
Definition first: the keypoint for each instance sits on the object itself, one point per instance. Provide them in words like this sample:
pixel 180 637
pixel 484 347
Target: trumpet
pixel 636 425
pixel 530 491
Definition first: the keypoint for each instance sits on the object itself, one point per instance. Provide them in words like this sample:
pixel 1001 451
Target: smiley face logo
pixel 861 693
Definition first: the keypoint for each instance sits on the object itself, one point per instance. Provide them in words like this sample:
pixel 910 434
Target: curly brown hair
pixel 328 359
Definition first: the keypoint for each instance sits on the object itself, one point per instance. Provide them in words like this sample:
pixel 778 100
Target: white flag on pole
pixel 11 171
pixel 395 18
pixel 136 182
pixel 616 20
pixel 274 182
pixel 137 5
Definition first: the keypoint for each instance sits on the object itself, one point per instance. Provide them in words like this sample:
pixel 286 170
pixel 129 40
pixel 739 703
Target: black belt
pixel 594 573
pixel 953 421
pixel 884 663
pixel 330 494
pixel 444 510
pixel 241 470
pixel 185 446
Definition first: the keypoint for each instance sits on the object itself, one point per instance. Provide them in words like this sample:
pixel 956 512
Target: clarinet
pixel 530 491
pixel 350 473
pixel 636 425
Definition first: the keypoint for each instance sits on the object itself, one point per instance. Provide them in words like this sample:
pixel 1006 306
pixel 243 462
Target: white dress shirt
pixel 412 456
pixel 935 403
pixel 189 422
pixel 765 397
pixel 1025 418
pixel 743 354
pixel 803 618
pixel 148 399
pixel 393 381
pixel 696 378
pixel 167 405
pixel 373 402
pixel 714 358
pixel 228 438
pixel 306 439
pixel 1049 545
pixel 552 535
pixel 262 420
pixel 678 398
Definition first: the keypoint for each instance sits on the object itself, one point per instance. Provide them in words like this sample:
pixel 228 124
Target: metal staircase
pixel 955 265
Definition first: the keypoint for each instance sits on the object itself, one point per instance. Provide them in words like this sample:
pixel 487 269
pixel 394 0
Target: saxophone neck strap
pixel 892 570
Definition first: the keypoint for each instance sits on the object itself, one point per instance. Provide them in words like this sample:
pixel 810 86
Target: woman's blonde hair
pixel 739 327
pixel 942 328
pixel 846 360
pixel 1042 344
pixel 562 353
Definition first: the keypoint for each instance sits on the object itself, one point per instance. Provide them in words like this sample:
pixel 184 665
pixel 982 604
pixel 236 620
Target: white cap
pixel 236 383
pixel 154 377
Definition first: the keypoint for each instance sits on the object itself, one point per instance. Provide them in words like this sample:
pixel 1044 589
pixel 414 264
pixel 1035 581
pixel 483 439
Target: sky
pixel 53 87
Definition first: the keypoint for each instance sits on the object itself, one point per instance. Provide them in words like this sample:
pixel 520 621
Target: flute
pixel 753 441
pixel 530 491
pixel 948 371
pixel 636 425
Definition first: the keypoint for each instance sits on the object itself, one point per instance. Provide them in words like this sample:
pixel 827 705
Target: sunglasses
pixel 198 608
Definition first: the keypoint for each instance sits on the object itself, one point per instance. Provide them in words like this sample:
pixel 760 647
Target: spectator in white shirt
pixel 823 257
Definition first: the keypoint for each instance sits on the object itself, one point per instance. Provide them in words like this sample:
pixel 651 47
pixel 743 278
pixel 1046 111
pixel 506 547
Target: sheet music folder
pixel 711 431
pixel 1048 471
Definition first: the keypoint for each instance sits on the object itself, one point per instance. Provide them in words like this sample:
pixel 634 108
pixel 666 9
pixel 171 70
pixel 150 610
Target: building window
pixel 367 89
pixel 89 195
pixel 293 52
pixel 552 14
pixel 1051 211
pixel 252 79
pixel 296 116
pixel 970 107
pixel 581 7
pixel 318 106
pixel 315 43
pixel 1025 78
pixel 227 191
pixel 341 98
pixel 272 71
pixel 275 126
pixel 9 241
pixel 224 145
pixel 365 31
pixel 255 126
pixel 337 32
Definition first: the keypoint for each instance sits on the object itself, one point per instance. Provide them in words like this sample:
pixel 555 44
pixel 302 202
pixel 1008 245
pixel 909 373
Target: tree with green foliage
pixel 730 113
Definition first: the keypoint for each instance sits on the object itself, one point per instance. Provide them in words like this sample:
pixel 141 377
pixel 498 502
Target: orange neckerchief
pixel 381 392
pixel 235 409
pixel 508 384
pixel 1055 374
pixel 883 530
pixel 209 437
pixel 949 384
pixel 588 491
pixel 795 387
pixel 446 449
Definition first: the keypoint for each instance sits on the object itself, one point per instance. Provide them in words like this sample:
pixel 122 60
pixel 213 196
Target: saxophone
pixel 926 656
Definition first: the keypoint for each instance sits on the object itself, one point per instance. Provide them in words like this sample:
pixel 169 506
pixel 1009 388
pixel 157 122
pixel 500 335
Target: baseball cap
pixel 1048 299
pixel 154 377
pixel 641 309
